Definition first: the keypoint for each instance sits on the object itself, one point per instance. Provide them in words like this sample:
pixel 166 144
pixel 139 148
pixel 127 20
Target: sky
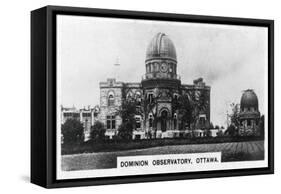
pixel 229 58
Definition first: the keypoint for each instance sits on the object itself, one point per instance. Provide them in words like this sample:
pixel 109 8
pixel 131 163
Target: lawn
pixel 231 151
pixel 93 146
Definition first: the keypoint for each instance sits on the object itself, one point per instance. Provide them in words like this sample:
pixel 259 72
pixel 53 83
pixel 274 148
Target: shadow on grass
pixel 242 156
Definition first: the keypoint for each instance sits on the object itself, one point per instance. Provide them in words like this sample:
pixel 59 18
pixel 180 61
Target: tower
pixel 161 86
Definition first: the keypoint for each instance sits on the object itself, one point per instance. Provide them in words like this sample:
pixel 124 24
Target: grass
pixel 114 145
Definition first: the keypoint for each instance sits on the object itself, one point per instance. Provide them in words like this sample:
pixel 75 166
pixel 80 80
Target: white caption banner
pixel 169 163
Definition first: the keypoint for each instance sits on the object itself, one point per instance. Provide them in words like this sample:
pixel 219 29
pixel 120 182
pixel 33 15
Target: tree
pixel 220 133
pixel 202 100
pixel 234 116
pixel 202 124
pixel 261 126
pixel 231 131
pixel 150 108
pixel 190 105
pixel 72 131
pixel 98 131
pixel 185 110
pixel 125 130
pixel 128 110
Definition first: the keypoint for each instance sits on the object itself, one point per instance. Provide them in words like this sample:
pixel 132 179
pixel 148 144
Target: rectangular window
pixel 110 122
pixel 150 98
pixel 138 122
pixel 175 123
pixel 249 122
pixel 150 122
pixel 113 124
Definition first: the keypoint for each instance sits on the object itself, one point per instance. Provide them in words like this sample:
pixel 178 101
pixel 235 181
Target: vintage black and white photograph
pixel 141 97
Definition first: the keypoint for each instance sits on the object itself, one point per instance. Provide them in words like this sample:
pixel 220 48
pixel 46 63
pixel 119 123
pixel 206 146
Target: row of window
pixel 151 97
pixel 175 121
pixel 137 95
pixel 155 67
pixel 250 122
pixel 111 121
pixel 70 114
pixel 111 99
pixel 250 109
pixel 86 114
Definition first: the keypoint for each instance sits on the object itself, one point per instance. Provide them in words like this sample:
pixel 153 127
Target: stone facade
pixel 158 93
pixel 110 101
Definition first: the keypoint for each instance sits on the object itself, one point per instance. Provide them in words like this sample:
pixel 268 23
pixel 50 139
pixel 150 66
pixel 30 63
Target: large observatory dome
pixel 161 46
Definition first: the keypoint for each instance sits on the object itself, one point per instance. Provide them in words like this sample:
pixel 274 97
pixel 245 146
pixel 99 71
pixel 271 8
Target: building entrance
pixel 164 120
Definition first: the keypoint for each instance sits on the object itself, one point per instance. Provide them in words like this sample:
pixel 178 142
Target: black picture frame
pixel 43 95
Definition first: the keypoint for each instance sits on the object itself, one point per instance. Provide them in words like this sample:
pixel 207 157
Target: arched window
pixel 156 67
pixel 152 67
pixel 175 121
pixel 138 98
pixel 150 121
pixel 150 98
pixel 138 94
pixel 248 122
pixel 129 95
pixel 170 68
pixel 149 67
pixel 110 100
pixel 176 97
pixel 164 116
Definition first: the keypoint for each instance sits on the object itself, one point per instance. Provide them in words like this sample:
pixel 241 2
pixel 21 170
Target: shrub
pixel 98 131
pixel 72 131
pixel 125 131
pixel 231 131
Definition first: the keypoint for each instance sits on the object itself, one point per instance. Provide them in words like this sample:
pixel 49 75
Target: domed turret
pixel 249 100
pixel 249 115
pixel 161 47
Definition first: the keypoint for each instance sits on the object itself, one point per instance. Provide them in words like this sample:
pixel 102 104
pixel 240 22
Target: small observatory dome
pixel 249 100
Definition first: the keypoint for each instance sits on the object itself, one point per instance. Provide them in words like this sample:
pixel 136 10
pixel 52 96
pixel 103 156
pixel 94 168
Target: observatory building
pixel 157 96
pixel 249 115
